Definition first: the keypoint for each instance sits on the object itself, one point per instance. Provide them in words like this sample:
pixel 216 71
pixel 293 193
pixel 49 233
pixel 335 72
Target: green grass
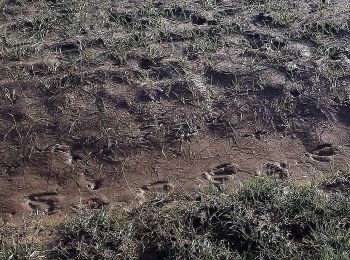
pixel 99 235
pixel 263 219
pixel 13 246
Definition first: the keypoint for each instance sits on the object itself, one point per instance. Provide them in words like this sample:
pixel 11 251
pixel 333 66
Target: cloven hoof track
pixel 90 203
pixel 137 91
pixel 89 183
pixel 159 186
pixel 324 152
pixel 45 202
pixel 155 188
pixel 222 173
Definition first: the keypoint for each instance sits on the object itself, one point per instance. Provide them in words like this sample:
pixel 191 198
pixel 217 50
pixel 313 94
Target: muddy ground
pixel 105 102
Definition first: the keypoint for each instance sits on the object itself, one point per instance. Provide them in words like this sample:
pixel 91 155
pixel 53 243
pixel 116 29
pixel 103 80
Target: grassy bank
pixel 262 219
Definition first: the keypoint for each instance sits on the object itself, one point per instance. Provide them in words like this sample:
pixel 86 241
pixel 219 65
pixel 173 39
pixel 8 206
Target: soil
pixel 107 103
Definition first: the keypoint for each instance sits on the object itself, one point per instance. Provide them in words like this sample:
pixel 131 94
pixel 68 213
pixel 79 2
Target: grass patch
pixel 96 235
pixel 15 245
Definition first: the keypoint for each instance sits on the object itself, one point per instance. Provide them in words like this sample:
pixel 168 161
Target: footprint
pixel 158 187
pixel 91 203
pixel 222 173
pixel 45 202
pixel 95 184
pixel 324 152
pixel 96 203
pixel 91 184
pixel 61 162
pixel 61 155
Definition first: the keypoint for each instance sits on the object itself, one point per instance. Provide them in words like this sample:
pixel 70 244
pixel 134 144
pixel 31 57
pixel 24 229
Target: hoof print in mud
pixel 91 203
pixel 96 203
pixel 159 186
pixel 324 152
pixel 222 173
pixel 45 202
pixel 87 180
pixel 277 170
pixel 94 185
